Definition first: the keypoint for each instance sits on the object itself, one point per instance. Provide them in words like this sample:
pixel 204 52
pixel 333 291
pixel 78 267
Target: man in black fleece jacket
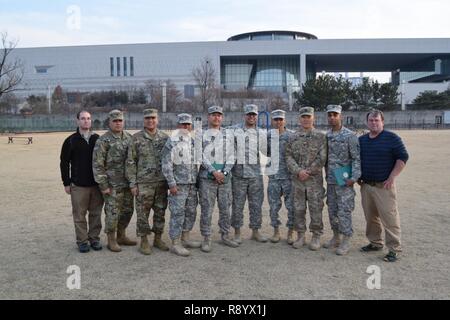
pixel 78 180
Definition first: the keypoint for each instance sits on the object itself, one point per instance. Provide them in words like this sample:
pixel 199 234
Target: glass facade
pixel 268 73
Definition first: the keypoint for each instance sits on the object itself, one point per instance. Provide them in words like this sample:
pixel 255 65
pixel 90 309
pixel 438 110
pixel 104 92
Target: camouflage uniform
pixel 143 170
pixel 108 165
pixel 343 149
pixel 247 181
pixel 280 183
pixel 307 150
pixel 180 170
pixel 210 190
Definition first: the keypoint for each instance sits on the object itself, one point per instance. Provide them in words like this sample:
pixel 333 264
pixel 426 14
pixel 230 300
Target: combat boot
pixel 178 249
pixel 187 243
pixel 112 242
pixel 314 245
pixel 206 245
pixel 300 242
pixel 237 235
pixel 290 236
pixel 258 236
pixel 122 239
pixel 334 242
pixel 276 235
pixel 228 242
pixel 344 247
pixel 145 248
pixel 159 243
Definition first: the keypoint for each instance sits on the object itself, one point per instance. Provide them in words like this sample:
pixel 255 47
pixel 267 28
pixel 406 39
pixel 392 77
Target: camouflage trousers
pixel 309 195
pixel 341 203
pixel 183 210
pixel 151 196
pixel 253 189
pixel 119 209
pixel 209 192
pixel 276 189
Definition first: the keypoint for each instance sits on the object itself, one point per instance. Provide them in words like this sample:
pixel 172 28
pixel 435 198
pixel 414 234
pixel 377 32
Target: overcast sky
pixel 56 23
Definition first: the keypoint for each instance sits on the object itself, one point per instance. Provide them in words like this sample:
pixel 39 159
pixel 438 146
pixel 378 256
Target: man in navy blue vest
pixel 383 157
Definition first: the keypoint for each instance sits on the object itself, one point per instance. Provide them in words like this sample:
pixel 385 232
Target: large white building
pixel 271 60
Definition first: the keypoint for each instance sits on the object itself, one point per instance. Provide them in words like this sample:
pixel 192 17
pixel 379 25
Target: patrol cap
pixel 215 109
pixel 115 115
pixel 150 113
pixel 334 108
pixel 278 114
pixel 184 118
pixel 307 111
pixel 251 108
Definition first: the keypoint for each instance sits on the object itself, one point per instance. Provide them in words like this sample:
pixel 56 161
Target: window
pixel 438 119
pixel 132 66
pixel 349 121
pixel 124 66
pixel 42 69
pixel 111 64
pixel 118 66
pixel 189 91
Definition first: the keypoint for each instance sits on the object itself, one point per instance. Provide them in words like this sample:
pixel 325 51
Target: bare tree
pixel 173 95
pixel 11 72
pixel 205 78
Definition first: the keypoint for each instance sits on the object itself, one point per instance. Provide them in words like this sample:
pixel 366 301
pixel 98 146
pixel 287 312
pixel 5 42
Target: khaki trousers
pixel 380 209
pixel 86 199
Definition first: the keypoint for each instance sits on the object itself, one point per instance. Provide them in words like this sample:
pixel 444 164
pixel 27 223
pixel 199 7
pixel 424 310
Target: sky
pixel 61 23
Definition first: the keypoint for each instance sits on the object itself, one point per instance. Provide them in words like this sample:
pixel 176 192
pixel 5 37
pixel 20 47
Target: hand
pixel 67 189
pixel 303 175
pixel 220 177
pixel 173 190
pixel 389 183
pixel 349 182
pixel 135 191
pixel 106 191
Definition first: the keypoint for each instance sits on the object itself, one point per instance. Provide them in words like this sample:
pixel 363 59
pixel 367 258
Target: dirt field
pixel 38 243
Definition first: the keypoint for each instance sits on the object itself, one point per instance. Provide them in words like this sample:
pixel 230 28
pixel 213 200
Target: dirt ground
pixel 38 242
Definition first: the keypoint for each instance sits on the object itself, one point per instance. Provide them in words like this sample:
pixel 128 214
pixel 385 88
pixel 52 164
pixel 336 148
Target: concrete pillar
pixel 302 70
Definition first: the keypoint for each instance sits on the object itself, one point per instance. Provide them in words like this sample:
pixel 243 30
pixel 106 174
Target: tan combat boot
pixel 178 249
pixel 206 245
pixel 276 235
pixel 145 248
pixel 258 236
pixel 158 243
pixel 290 236
pixel 122 239
pixel 334 242
pixel 228 242
pixel 300 242
pixel 344 247
pixel 112 243
pixel 187 243
pixel 237 235
pixel 314 245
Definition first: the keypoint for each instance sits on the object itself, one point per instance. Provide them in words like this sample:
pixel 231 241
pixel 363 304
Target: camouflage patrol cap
pixel 307 111
pixel 115 115
pixel 150 113
pixel 215 109
pixel 278 114
pixel 334 108
pixel 184 118
pixel 251 108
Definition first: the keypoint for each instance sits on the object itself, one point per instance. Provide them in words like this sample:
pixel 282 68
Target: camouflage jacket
pixel 343 149
pixel 144 158
pixel 307 150
pixel 108 162
pixel 248 160
pixel 178 161
pixel 280 162
pixel 220 141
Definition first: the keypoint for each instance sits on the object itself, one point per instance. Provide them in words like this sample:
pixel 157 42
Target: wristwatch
pixel 224 173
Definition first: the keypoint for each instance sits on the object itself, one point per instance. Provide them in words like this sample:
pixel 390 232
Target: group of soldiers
pixel 215 165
